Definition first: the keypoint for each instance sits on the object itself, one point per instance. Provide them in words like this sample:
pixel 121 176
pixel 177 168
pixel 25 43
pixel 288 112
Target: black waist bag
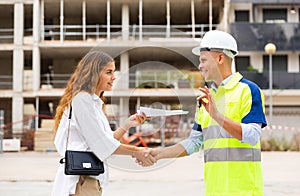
pixel 82 163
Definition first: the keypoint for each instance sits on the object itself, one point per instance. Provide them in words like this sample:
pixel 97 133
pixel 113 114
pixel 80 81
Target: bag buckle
pixel 86 165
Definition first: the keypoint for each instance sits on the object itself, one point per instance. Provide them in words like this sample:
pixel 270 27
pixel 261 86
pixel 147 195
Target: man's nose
pixel 199 66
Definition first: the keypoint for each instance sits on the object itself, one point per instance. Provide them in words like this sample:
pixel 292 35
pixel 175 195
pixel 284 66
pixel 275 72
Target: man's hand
pixel 144 157
pixel 208 102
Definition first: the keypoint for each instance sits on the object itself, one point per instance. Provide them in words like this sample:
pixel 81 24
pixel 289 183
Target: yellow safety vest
pixel 233 168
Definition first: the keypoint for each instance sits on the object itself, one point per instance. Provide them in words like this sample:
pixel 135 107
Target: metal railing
pixel 6 81
pixel 146 80
pixel 55 80
pixel 80 32
pixel 7 34
pixel 281 80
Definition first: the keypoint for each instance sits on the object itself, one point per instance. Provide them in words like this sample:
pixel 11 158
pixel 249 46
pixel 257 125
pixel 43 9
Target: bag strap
pixel 70 116
pixel 62 160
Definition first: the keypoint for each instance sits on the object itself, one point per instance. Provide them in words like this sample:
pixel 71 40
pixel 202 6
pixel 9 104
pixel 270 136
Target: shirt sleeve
pixel 91 128
pixel 195 140
pixel 253 105
pixel 251 133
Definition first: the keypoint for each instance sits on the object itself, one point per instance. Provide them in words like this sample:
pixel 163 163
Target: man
pixel 228 122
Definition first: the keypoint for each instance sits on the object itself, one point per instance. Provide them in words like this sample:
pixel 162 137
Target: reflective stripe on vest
pixel 219 145
pixel 227 143
pixel 213 132
pixel 232 154
pixel 217 137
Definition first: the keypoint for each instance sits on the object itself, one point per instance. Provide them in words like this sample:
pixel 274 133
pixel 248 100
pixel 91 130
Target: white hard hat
pixel 219 41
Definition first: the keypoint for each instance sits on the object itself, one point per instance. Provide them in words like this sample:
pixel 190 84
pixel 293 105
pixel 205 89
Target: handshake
pixel 147 156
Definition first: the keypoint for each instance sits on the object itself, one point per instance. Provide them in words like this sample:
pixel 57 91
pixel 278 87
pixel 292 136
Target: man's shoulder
pixel 252 85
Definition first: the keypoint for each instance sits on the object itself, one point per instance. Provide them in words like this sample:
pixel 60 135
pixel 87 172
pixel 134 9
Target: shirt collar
pixel 97 98
pixel 229 82
pixel 223 83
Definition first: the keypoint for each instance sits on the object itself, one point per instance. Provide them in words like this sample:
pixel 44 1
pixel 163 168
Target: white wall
pixel 293 62
pixel 240 6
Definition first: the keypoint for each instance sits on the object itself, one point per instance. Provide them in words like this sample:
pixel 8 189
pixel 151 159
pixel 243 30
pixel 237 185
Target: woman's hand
pixel 134 121
pixel 144 157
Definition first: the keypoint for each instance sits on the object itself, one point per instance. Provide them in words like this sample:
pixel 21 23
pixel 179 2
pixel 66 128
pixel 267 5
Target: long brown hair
pixel 85 78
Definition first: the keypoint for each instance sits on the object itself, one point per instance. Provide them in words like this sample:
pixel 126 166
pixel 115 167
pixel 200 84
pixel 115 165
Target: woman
pixel 89 127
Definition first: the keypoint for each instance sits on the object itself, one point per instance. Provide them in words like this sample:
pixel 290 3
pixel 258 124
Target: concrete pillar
pixel 18 67
pixel 124 109
pixel 124 71
pixel 18 23
pixel 293 62
pixel 37 108
pixel 42 14
pixel 210 14
pixel 140 20
pixel 125 22
pixel 225 15
pixel 83 20
pixel 193 18
pixel 36 65
pixel 17 113
pixel 108 19
pixel 168 17
pixel 124 84
pixel 61 21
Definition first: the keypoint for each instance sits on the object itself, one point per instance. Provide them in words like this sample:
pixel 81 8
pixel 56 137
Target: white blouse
pixel 89 130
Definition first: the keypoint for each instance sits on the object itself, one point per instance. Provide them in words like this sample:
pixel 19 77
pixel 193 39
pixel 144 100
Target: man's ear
pixel 221 58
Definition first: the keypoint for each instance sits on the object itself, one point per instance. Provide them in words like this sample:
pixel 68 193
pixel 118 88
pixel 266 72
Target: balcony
pixel 254 36
pixel 281 80
pixel 135 32
pixel 140 79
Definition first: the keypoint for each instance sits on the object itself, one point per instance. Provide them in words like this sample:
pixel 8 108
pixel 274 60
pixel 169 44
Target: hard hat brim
pixel 196 50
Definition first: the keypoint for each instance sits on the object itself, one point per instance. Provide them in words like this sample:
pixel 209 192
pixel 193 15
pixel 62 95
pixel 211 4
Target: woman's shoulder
pixel 82 97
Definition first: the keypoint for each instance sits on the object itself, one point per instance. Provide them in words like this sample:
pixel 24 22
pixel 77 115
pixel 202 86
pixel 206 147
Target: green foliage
pixel 252 69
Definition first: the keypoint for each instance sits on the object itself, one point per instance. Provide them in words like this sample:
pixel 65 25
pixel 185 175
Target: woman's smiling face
pixel 106 78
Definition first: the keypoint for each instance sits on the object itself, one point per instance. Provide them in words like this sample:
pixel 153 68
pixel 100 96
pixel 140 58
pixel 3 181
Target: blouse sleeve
pixel 91 128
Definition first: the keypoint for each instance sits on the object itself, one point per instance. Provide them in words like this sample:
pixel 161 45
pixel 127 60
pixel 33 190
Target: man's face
pixel 208 65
